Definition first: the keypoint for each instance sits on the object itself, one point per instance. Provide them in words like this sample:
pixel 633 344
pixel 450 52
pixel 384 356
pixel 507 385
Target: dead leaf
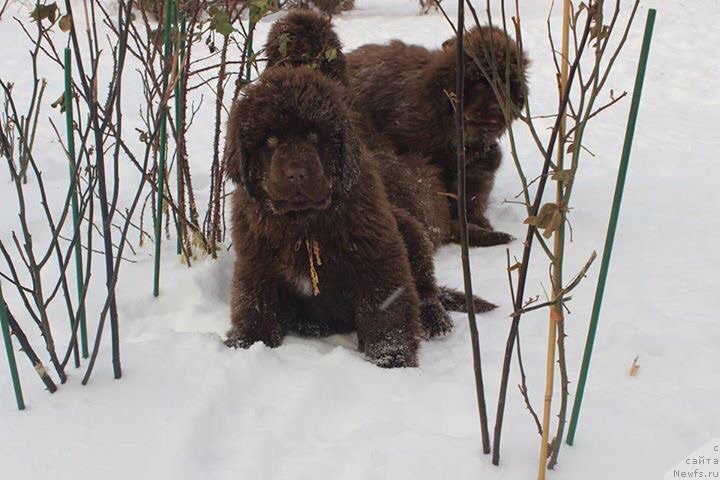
pixel 564 176
pixel 553 224
pixel 60 102
pixel 543 216
pixel 283 44
pixel 42 12
pixel 330 54
pixel 65 23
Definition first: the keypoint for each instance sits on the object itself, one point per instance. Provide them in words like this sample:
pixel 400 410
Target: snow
pixel 188 408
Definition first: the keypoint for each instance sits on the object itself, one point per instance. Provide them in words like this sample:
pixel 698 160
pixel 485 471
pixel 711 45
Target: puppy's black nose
pixel 295 174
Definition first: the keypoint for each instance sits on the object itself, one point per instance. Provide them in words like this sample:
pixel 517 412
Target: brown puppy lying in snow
pixel 402 91
pixel 319 245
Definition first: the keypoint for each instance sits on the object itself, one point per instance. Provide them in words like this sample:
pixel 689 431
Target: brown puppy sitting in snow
pixel 402 90
pixel 319 247
pixel 412 183
pixel 304 38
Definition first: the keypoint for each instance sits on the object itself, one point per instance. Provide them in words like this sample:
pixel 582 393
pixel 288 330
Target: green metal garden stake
pixel 163 146
pixel 248 66
pixel 76 225
pixel 10 354
pixel 607 252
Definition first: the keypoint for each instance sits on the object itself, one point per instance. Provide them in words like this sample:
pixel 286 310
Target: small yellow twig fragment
pixel 313 253
pixel 40 369
pixel 634 368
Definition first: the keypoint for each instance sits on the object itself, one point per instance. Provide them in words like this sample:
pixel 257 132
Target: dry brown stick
pixel 462 214
pixel 4 7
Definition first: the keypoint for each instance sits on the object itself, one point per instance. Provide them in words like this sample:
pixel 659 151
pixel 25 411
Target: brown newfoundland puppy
pixel 402 90
pixel 304 37
pixel 320 247
pixel 413 184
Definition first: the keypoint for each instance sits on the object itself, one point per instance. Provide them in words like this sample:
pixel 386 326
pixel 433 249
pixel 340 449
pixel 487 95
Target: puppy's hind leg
pixel 435 320
pixel 455 301
pixel 479 236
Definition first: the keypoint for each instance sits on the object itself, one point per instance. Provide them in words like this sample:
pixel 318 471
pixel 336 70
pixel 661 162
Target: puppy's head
pixel 305 37
pixel 291 144
pixel 491 57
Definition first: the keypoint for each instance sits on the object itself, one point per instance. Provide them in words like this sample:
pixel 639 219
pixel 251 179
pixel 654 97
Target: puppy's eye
pixel 272 141
pixel 313 137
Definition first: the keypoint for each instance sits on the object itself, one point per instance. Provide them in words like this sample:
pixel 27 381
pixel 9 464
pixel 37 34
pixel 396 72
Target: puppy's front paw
pixel 393 351
pixel 238 338
pixel 435 319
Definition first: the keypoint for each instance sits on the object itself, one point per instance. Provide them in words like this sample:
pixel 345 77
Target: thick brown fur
pixel 313 200
pixel 403 91
pixel 329 7
pixel 304 37
pixel 413 184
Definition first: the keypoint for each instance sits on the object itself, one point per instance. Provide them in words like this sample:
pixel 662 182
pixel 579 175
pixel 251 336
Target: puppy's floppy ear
pixel 349 161
pixel 236 161
pixel 439 80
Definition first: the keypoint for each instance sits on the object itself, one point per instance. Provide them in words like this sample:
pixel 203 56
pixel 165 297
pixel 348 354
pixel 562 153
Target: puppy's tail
pixel 454 300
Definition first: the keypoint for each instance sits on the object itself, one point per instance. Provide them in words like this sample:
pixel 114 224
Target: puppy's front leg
pixel 258 311
pixel 480 182
pixel 434 318
pixel 386 316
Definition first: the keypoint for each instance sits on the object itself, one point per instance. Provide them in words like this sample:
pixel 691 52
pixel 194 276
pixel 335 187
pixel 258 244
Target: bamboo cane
pixel 10 353
pixel 163 145
pixel 556 312
pixel 559 247
pixel 462 216
pixel 612 226
pixel 76 224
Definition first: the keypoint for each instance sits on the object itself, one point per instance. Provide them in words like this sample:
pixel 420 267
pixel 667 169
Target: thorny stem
pixel 26 348
pixel 212 222
pixel 522 277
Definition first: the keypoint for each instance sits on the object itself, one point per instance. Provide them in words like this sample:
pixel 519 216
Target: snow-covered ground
pixel 189 408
